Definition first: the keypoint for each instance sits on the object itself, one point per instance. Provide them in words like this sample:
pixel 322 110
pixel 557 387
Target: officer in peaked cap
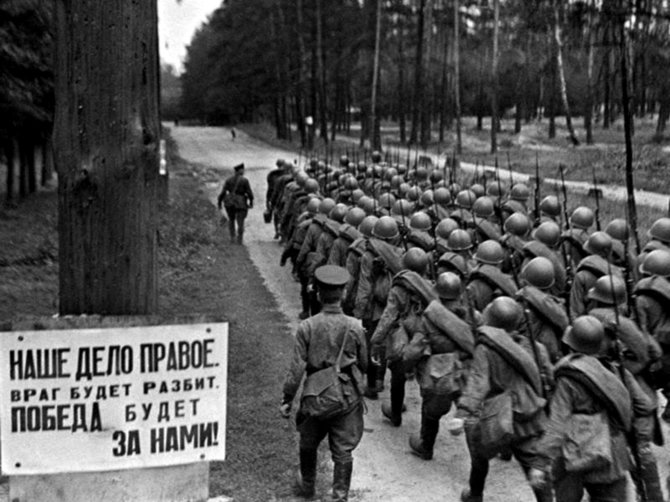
pixel 321 341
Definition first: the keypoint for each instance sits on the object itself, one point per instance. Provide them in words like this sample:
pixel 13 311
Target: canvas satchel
pixel 443 374
pixel 398 340
pixel 587 446
pixel 323 395
pixel 496 424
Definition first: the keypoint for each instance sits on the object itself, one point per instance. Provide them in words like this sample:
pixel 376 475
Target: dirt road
pixel 384 469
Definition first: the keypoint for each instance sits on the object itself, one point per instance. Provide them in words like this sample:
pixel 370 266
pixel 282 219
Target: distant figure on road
pixel 283 168
pixel 233 133
pixel 237 198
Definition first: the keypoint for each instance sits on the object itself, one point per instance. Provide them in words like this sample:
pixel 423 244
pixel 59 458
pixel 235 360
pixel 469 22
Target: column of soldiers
pixel 480 295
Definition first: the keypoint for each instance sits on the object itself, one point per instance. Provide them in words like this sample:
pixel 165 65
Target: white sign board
pixel 113 398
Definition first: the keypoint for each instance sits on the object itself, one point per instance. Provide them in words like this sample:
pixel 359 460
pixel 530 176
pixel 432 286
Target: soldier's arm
pixel 297 365
pixel 364 286
pixel 389 318
pixel 306 246
pixel 478 384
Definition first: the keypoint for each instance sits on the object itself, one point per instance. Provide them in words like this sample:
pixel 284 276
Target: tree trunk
pixel 106 146
pixel 402 110
pixel 47 160
pixel 561 75
pixel 374 119
pixel 588 107
pixel 457 75
pixel 11 169
pixel 305 130
pixel 418 76
pixel 323 93
pixel 494 77
pixel 426 91
pixel 29 147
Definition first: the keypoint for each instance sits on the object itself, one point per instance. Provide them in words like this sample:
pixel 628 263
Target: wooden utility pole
pixel 106 152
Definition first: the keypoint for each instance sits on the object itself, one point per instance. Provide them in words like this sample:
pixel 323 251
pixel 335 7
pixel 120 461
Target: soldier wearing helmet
pixel 659 238
pixel 441 204
pixel 575 237
pixel 442 232
pixel 379 263
pixel 487 281
pixel 585 381
pixel 307 255
pixel 347 234
pixel 272 179
pixel 545 240
pixel 550 209
pixel 353 261
pixel 504 364
pixel 444 339
pixel 516 227
pixel 419 232
pixel 652 305
pixel 294 243
pixel 596 264
pixel 483 223
pixel 546 312
pixel 408 296
pixel 637 351
pixel 622 255
pixel 517 201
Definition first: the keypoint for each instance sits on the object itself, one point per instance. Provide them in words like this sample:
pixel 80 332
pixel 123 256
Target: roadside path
pixel 384 469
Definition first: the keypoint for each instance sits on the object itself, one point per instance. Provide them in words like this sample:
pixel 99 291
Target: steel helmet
pixel 453 262
pixel 494 190
pixel 301 178
pixel 656 262
pixel 490 252
pixel 539 272
pixel 311 185
pixel 403 189
pixel 361 167
pixel 448 286
pixel 550 206
pixel 459 240
pixel 342 178
pixel 354 216
pixel 504 313
pixel 436 176
pixel 416 260
pixel 376 157
pixel 402 207
pixel 517 224
pixel 385 228
pixel 617 229
pixel 338 212
pixel 478 189
pixel 350 183
pixel 454 188
pixel 465 199
pixel 548 233
pixel 413 194
pixel 391 173
pixel 483 207
pixel 598 243
pixel 660 230
pixel 313 205
pixel 386 200
pixel 402 169
pixel 441 196
pixel 420 221
pixel 445 227
pixel 326 206
pixel 367 225
pixel 585 335
pixel 519 192
pixel 421 173
pixel 356 195
pixel 427 198
pixel 608 289
pixel 396 181
pixel 582 217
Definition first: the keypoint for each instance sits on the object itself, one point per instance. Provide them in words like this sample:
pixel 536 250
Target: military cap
pixel 238 167
pixel 331 276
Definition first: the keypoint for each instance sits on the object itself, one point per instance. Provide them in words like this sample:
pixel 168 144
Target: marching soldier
pixel 486 280
pixel 325 340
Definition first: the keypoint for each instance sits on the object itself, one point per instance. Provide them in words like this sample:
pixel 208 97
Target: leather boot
pixel 342 481
pixel 418 448
pixel 305 485
pixel 466 496
pixel 395 419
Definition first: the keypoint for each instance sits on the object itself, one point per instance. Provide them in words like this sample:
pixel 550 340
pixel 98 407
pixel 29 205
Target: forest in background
pixel 423 64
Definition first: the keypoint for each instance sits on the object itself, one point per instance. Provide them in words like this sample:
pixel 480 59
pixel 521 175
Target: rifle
pixel 628 278
pixel 509 169
pixel 471 313
pixel 567 260
pixel 452 170
pixel 537 190
pixel 531 336
pixel 636 473
pixel 498 205
pixel 596 193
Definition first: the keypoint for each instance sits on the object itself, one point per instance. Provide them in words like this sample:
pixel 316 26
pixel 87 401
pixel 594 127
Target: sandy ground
pixel 384 469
